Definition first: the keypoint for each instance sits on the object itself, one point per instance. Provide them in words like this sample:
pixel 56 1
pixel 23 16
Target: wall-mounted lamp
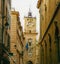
pixel 15 46
pixel 6 25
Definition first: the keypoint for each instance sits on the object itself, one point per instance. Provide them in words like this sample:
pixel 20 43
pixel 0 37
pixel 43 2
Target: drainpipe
pixel 2 14
pixel 3 2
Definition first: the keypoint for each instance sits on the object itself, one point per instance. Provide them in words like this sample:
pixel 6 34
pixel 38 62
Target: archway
pixel 29 62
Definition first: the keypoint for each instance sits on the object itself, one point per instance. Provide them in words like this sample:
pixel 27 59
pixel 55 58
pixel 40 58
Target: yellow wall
pixel 16 38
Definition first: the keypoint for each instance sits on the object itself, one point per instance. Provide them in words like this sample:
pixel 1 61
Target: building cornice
pixel 15 13
pixel 39 3
pixel 29 17
pixel 30 33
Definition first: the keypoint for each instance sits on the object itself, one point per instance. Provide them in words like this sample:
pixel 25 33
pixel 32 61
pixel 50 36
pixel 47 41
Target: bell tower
pixel 30 37
pixel 30 23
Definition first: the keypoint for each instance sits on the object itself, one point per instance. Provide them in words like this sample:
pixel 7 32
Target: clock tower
pixel 30 39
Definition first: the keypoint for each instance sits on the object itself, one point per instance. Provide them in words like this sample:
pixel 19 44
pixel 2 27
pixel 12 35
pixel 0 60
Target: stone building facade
pixel 49 31
pixel 16 39
pixel 5 7
pixel 30 39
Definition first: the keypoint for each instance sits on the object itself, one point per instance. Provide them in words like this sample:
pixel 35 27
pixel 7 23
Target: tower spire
pixel 29 13
pixel 29 10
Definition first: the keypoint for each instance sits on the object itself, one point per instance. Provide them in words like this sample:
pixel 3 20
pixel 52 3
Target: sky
pixel 23 7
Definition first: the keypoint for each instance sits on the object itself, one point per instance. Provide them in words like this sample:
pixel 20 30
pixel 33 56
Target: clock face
pixel 30 24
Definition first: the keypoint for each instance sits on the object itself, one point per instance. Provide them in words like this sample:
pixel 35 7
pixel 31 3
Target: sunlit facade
pixel 16 39
pixel 30 39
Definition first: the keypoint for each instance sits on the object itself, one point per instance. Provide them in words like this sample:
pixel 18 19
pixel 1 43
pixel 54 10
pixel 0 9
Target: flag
pixel 26 46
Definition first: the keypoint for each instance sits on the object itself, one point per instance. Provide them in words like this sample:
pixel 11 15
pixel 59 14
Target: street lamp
pixel 6 25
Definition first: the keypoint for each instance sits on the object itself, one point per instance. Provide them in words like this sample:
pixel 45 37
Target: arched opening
pixel 29 62
pixel 57 39
pixel 50 47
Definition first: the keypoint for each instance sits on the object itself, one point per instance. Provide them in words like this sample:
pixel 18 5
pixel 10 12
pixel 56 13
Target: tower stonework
pixel 30 39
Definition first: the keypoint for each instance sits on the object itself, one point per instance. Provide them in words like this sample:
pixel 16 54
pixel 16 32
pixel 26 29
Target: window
pixel 50 49
pixel 45 50
pixel 29 43
pixel 49 39
pixel 7 42
pixel 30 40
pixel 27 19
pixel 45 7
pixel 29 23
pixel 57 39
pixel 45 43
pixel 31 19
pixel 29 31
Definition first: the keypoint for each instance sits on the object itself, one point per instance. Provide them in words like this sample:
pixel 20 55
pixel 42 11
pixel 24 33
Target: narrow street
pixel 29 31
